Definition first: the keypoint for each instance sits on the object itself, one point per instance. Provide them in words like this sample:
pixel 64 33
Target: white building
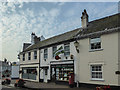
pixel 90 52
pixel 15 70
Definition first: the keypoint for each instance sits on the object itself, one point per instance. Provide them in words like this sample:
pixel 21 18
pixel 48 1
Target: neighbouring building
pixel 91 52
pixel 15 70
pixel 5 69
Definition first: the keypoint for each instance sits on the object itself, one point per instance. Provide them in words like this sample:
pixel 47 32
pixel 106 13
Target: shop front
pixel 29 73
pixel 60 70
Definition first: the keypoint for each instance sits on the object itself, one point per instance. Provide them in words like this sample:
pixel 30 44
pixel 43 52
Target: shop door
pixel 53 74
pixel 45 75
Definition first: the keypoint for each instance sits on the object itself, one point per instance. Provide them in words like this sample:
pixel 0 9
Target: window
pixel 66 49
pixel 29 55
pixel 35 54
pixel 95 43
pixel 96 71
pixel 53 50
pixel 45 53
pixel 23 57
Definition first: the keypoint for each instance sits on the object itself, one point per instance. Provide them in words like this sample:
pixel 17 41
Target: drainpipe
pixel 39 64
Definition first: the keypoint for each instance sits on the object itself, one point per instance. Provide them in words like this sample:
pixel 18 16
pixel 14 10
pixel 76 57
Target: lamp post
pixel 76 44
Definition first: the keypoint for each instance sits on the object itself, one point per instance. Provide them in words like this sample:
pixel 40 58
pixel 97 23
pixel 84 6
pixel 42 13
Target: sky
pixel 20 19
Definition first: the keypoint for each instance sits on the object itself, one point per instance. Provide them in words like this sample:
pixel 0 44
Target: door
pixel 45 75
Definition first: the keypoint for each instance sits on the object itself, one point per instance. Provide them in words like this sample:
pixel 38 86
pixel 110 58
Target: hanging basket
pixel 57 57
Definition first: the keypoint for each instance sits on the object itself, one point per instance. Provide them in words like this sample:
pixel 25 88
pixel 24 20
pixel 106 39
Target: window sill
pixel 95 79
pixel 93 50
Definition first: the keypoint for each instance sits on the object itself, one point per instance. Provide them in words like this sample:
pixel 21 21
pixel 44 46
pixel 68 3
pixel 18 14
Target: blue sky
pixel 19 20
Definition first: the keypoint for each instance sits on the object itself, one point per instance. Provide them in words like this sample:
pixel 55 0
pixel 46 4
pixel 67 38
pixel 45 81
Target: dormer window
pixel 95 43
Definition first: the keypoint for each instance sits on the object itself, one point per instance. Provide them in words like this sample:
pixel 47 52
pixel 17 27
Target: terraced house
pixel 91 52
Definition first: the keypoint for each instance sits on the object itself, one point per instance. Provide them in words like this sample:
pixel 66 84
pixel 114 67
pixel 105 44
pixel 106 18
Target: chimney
pixel 32 38
pixel 84 19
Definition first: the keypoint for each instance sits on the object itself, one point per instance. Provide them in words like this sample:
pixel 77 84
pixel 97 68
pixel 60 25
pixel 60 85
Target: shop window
pixel 95 43
pixel 45 53
pixel 29 55
pixel 29 73
pixel 35 54
pixel 23 57
pixel 96 72
pixel 62 73
pixel 66 49
pixel 53 50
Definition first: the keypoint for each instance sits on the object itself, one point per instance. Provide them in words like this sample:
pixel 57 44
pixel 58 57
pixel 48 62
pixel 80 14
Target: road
pixel 11 88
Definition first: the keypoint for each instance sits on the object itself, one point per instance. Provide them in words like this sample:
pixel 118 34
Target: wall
pixel 51 58
pixel 108 57
pixel 32 58
pixel 30 63
pixel 119 57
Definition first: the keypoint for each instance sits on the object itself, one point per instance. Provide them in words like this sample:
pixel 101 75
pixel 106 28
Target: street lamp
pixel 76 44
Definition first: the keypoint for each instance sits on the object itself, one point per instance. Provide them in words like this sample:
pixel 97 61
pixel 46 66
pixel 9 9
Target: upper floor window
pixel 29 55
pixel 96 72
pixel 45 53
pixel 95 43
pixel 66 49
pixel 24 57
pixel 35 54
pixel 53 50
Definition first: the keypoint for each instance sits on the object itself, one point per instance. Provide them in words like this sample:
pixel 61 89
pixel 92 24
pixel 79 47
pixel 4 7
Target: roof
pixel 55 39
pixel 93 26
pixel 104 23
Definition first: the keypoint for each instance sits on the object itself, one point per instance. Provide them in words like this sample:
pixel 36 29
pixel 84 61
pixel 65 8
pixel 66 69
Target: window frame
pixel 46 54
pixel 66 51
pixel 35 54
pixel 29 55
pixel 53 50
pixel 95 41
pixel 23 58
pixel 96 76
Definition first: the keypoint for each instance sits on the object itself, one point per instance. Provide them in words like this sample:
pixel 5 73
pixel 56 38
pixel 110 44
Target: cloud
pixel 18 25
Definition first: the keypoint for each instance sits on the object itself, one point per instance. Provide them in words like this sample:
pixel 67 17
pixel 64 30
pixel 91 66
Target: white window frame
pixel 29 55
pixel 46 53
pixel 23 57
pixel 35 54
pixel 96 40
pixel 97 71
pixel 67 51
pixel 53 50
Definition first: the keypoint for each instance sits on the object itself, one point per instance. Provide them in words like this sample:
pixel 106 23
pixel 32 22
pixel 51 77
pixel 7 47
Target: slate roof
pixel 55 39
pixel 93 26
pixel 103 23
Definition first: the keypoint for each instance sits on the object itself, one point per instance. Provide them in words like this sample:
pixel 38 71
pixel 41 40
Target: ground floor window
pixel 96 72
pixel 62 72
pixel 29 73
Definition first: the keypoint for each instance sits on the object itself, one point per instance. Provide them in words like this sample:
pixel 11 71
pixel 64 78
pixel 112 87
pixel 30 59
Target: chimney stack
pixel 84 19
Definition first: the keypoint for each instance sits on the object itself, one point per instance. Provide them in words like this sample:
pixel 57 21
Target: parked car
pixel 6 81
pixel 19 83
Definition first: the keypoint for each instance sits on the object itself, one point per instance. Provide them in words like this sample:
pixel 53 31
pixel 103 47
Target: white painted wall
pixel 108 57
pixel 51 58
pixel 15 72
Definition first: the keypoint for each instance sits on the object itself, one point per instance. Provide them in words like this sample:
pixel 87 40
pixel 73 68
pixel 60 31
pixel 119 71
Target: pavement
pixel 43 86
